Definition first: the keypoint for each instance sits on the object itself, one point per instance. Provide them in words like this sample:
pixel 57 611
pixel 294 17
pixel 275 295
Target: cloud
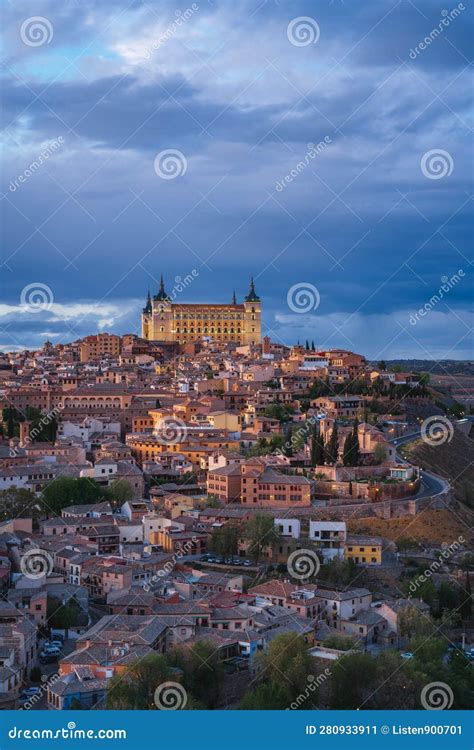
pixel 362 221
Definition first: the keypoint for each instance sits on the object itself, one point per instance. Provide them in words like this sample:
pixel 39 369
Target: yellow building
pixel 166 320
pixel 364 550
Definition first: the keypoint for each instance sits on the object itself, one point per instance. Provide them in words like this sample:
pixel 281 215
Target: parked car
pixel 57 637
pixel 46 658
pixel 247 563
pixel 406 655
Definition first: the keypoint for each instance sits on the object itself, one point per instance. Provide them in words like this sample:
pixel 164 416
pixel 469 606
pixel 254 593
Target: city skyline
pixel 137 142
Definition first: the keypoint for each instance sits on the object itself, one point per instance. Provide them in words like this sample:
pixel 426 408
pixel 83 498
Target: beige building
pixel 165 320
pixel 98 345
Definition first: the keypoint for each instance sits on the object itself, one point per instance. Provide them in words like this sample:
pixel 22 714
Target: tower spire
pixel 234 299
pixel 148 308
pixel 161 296
pixel 252 296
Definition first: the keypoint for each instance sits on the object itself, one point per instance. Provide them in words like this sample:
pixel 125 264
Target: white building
pixel 329 536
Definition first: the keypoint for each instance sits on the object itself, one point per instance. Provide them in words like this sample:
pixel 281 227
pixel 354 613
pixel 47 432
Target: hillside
pixel 432 527
pixel 452 460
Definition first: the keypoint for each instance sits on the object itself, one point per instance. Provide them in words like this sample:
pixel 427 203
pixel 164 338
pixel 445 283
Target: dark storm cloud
pixel 360 220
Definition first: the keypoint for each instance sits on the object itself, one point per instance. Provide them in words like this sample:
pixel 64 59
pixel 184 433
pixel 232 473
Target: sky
pixel 324 148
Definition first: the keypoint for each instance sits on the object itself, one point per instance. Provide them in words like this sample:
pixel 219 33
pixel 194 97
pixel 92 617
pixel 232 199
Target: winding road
pixel 432 484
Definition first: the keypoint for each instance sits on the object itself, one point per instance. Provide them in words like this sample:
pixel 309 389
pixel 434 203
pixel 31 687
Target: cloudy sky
pixel 141 138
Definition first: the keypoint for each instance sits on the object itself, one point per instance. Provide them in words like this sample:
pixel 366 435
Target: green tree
pixel 466 599
pixel 261 532
pixel 120 491
pixel 65 491
pixel 225 540
pixel 412 622
pixel 287 655
pixel 136 689
pixel 203 671
pixel 380 454
pixel 332 446
pixel 270 696
pixel 347 689
pixel 288 446
pixel 318 454
pixel 355 451
pixel 18 503
pixel 63 616
pixel 347 450
pixel 340 642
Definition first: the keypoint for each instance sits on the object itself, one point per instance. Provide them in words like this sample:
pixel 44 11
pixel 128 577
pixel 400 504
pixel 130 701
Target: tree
pixel 339 642
pixel 347 688
pixel 203 672
pixel 18 503
pixel 355 450
pixel 287 655
pixel 66 491
pixel 412 622
pixel 270 696
pixel 261 532
pixel 332 446
pixel 63 616
pixel 425 590
pixel 288 446
pixel 380 454
pixel 317 448
pixel 338 572
pixel 278 411
pixel 382 365
pixel 394 686
pixel 136 689
pixel 120 492
pixel 347 450
pixel 212 502
pixel 466 599
pixel 225 540
pixel 448 597
pixel 385 684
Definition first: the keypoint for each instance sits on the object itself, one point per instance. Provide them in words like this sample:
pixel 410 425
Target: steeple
pixel 234 299
pixel 148 308
pixel 161 296
pixel 252 295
